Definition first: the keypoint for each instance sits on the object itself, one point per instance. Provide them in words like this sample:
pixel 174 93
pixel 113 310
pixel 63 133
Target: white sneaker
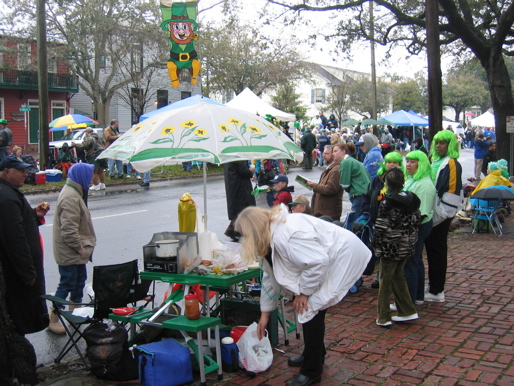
pixel 434 298
pixel 138 177
pixel 419 302
pixel 102 186
pixel 392 307
pixel 386 324
pixel 404 318
pixel 95 187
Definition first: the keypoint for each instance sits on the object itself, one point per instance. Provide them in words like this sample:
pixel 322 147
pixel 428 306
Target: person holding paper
pixel 327 199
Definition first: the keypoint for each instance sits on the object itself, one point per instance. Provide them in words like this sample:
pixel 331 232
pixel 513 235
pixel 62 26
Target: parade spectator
pixel 238 188
pixel 5 138
pixel 300 204
pixel 419 182
pixel 327 199
pixel 93 145
pixel 418 144
pixel 65 159
pixel 369 145
pixel 489 156
pixel 32 170
pixel 447 175
pixel 354 178
pixel 309 258
pixel 387 141
pixel 281 193
pixel 323 119
pixel 481 145
pixel 308 144
pixel 23 279
pixel 323 141
pixel 396 232
pixel 111 134
pixel 74 238
pixel 332 122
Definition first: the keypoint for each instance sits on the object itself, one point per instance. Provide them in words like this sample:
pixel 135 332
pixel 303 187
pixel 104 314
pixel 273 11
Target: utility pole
pixel 42 83
pixel 373 66
pixel 435 93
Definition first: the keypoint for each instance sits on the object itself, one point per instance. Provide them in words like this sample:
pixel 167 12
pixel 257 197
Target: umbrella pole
pixel 204 218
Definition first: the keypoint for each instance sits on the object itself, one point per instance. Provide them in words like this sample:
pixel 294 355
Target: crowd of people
pixel 405 200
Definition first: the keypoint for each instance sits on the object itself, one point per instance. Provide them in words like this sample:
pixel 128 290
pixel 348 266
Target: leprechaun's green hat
pixel 178 13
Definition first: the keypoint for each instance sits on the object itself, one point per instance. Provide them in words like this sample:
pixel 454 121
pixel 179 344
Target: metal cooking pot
pixel 166 248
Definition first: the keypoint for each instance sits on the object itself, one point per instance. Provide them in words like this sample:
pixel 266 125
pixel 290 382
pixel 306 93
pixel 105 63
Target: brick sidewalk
pixel 466 340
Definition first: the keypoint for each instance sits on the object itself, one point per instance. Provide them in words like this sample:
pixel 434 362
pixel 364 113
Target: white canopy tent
pixel 484 120
pixel 251 103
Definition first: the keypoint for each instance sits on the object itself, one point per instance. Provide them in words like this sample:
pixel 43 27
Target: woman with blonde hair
pixel 305 257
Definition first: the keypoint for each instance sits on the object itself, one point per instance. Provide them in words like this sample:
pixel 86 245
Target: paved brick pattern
pixel 468 340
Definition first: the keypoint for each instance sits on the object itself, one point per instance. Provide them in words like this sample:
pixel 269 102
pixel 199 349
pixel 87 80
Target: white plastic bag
pixel 254 355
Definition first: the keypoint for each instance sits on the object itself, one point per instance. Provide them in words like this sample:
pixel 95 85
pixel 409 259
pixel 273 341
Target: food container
pixel 166 248
pixel 237 332
pixel 192 307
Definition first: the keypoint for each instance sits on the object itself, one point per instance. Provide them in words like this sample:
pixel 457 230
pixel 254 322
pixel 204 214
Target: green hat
pixel 4 121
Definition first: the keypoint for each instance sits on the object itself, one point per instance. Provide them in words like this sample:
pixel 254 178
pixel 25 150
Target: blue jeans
pixel 187 166
pixel 357 202
pixel 119 165
pixel 146 177
pixel 73 280
pixel 414 270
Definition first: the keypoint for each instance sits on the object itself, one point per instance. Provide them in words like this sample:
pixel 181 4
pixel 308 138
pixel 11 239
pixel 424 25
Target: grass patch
pixel 158 173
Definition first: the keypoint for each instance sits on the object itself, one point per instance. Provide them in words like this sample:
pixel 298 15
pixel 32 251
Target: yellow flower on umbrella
pixel 190 123
pixel 224 128
pixel 272 127
pixel 254 129
pixel 167 130
pixel 201 132
pixel 234 121
pixel 135 128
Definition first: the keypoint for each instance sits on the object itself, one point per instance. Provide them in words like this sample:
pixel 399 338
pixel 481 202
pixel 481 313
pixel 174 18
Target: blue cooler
pixel 165 363
pixel 229 355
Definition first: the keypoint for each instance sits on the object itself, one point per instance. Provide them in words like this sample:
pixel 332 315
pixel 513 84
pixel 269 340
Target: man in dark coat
pixel 308 144
pixel 21 255
pixel 238 188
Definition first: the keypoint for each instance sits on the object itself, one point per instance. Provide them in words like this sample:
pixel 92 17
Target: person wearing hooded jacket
pixel 305 257
pixel 369 145
pixel 396 233
pixel 74 237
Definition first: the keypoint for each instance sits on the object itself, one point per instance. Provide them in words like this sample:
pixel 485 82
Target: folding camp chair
pixel 114 286
pixel 486 212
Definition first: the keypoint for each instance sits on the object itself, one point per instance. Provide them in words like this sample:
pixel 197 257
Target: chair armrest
pixel 57 300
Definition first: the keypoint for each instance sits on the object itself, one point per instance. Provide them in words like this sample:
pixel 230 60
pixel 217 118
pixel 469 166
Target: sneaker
pixel 434 298
pixel 419 302
pixel 95 187
pixel 112 177
pixel 404 318
pixel 385 324
pixel 102 186
pixel 375 284
pixel 392 307
pixel 144 184
pixel 138 177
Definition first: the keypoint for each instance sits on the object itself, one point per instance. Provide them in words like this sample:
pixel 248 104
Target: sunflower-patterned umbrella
pixel 201 132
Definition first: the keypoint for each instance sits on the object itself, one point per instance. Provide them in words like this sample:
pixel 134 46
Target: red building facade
pixel 19 90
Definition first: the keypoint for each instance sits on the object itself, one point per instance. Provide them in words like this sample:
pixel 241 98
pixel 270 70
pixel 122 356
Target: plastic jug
pixel 229 355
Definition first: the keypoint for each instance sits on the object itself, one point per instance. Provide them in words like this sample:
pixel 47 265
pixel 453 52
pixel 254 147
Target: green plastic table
pixel 224 281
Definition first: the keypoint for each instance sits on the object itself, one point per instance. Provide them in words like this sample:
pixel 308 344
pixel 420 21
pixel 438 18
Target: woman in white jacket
pixel 302 256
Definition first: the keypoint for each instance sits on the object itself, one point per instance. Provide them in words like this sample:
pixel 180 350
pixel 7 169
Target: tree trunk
pixel 502 101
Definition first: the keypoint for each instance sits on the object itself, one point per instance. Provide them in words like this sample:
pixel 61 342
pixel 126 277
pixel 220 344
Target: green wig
pixel 424 168
pixel 493 166
pixel 453 144
pixel 393 156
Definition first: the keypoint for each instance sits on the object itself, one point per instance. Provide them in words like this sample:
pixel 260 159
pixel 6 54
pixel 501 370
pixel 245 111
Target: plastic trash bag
pixel 254 355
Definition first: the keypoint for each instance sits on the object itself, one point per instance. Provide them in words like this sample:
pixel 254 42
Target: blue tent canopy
pixel 192 100
pixel 404 118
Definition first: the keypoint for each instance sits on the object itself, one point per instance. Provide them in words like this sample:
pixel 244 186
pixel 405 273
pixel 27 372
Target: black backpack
pixel 108 353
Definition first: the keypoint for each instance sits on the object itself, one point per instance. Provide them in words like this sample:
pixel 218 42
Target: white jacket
pixel 311 257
